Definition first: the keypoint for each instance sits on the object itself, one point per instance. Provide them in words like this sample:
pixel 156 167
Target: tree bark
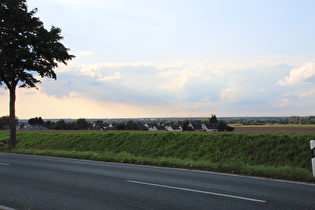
pixel 12 141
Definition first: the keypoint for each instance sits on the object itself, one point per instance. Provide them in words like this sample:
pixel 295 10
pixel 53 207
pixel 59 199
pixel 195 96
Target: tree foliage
pixel 120 126
pixel 28 51
pixel 60 125
pixel 36 121
pixel 131 125
pixel 82 124
pixel 213 119
pixel 4 122
pixel 223 126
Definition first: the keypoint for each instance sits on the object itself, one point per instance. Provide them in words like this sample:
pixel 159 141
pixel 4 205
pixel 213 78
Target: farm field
pixel 294 129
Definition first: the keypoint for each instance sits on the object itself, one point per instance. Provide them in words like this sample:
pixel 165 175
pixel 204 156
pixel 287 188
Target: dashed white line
pixel 4 164
pixel 197 191
pixel 5 208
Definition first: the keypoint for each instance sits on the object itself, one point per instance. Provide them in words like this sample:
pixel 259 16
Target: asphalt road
pixel 35 182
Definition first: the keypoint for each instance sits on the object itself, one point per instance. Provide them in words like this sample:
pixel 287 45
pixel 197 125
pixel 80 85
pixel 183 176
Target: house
pixel 155 127
pixel 35 128
pixel 107 126
pixel 22 125
pixel 198 126
pixel 209 127
pixel 195 126
pixel 173 128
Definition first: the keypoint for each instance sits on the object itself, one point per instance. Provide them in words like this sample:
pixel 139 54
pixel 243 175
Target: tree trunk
pixel 12 140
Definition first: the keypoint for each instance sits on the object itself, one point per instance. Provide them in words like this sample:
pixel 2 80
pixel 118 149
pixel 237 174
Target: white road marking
pixel 5 208
pixel 4 164
pixel 197 191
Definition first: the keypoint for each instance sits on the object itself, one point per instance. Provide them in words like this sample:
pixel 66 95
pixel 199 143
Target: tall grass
pixel 280 156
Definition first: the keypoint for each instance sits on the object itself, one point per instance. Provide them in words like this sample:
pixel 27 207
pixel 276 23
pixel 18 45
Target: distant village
pixel 211 124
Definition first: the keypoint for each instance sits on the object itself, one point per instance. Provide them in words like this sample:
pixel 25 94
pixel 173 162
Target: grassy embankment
pixel 279 156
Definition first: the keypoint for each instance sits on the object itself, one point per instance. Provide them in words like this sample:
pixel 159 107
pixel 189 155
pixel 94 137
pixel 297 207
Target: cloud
pixel 302 93
pixel 230 95
pixel 83 53
pixel 175 84
pixel 307 94
pixel 303 74
pixel 116 76
pixel 275 56
pixel 136 53
pixel 179 86
pixel 81 4
pixel 167 82
pixel 284 102
pixel 90 70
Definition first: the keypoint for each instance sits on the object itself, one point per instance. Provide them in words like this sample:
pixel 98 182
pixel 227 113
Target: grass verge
pixel 278 156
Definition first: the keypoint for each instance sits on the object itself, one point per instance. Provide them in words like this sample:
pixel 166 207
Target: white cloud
pixel 175 87
pixel 307 94
pixel 116 76
pixel 136 53
pixel 69 3
pixel 189 106
pixel 113 65
pixel 302 93
pixel 275 56
pixel 261 90
pixel 192 81
pixel 299 75
pixel 207 99
pixel 91 70
pixel 284 102
pixel 96 70
pixel 230 95
pixel 175 84
pixel 83 53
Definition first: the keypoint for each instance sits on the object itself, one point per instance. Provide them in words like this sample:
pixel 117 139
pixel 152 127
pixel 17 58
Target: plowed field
pixel 276 129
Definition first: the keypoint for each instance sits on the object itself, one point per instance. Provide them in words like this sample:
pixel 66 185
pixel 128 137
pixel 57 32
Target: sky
pixel 176 58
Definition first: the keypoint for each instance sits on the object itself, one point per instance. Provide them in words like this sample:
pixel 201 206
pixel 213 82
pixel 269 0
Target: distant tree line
pixel 79 124
pixel 222 124
pixel 83 124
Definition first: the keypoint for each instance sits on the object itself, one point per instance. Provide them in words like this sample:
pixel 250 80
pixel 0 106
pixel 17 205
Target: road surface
pixel 36 182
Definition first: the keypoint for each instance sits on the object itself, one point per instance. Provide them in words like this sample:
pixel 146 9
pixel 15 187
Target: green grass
pixel 279 156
